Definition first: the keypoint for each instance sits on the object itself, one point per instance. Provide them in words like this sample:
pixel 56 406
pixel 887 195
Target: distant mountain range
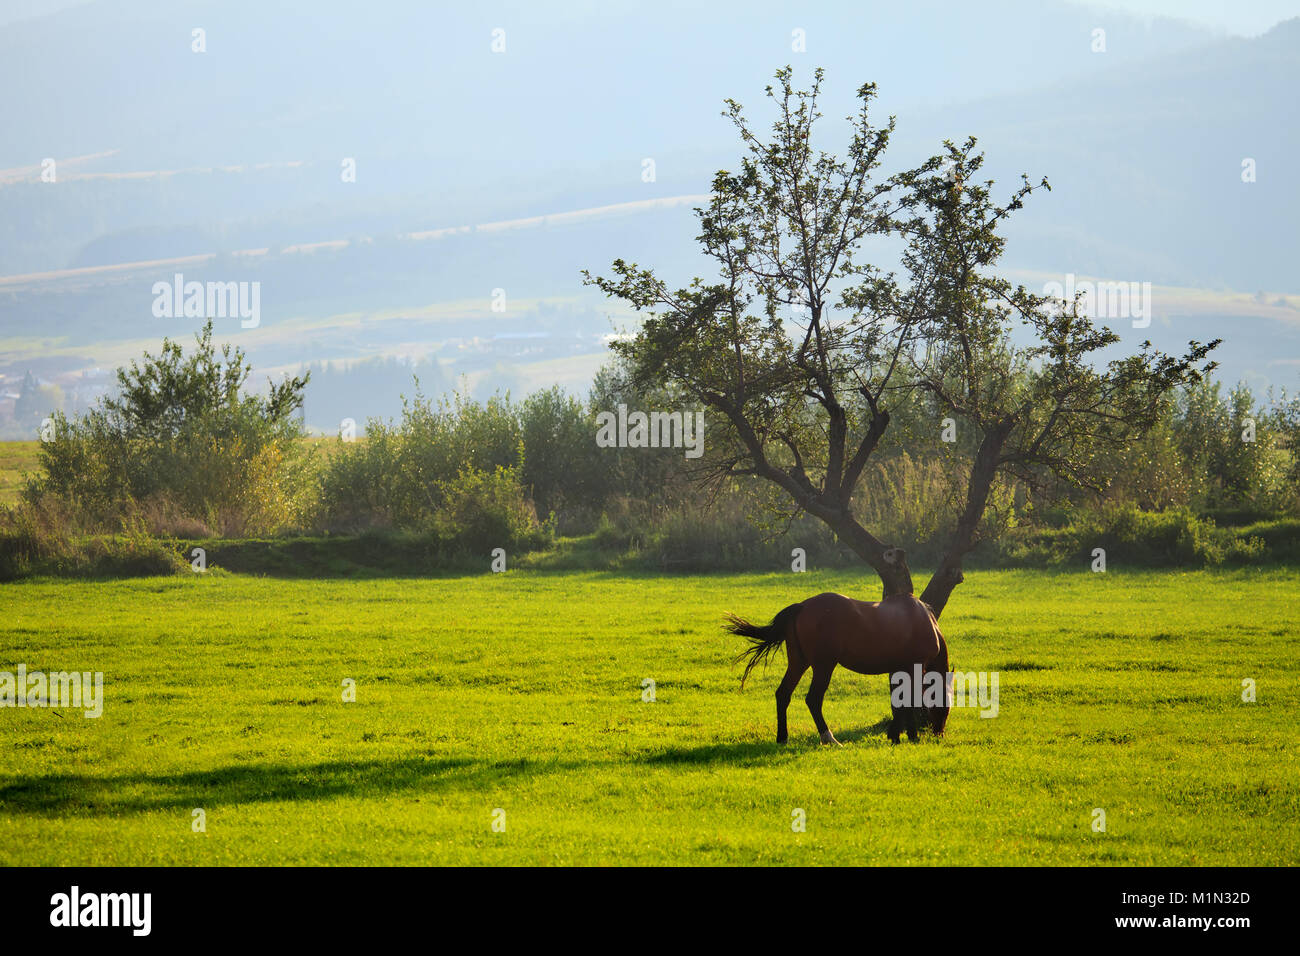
pixel 234 161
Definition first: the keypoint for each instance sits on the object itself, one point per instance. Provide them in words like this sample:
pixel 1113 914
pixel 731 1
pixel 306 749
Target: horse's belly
pixel 885 657
pixel 869 661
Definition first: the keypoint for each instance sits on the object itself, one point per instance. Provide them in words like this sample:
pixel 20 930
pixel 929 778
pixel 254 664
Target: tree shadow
pixel 60 794
pixel 57 795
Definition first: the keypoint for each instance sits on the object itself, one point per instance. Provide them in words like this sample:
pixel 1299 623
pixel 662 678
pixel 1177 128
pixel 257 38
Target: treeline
pixel 184 454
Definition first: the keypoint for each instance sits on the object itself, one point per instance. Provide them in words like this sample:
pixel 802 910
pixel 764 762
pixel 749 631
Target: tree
pixel 180 432
pixel 28 407
pixel 168 393
pixel 803 348
pixel 1232 447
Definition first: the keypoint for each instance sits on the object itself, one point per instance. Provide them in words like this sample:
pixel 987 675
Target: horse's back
pixel 833 600
pixel 871 637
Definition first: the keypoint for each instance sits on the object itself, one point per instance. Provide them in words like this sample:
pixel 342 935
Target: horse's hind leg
pixel 911 715
pixel 793 673
pixel 821 679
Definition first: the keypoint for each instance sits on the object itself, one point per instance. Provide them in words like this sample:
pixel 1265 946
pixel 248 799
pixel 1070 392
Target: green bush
pixel 564 472
pixel 37 540
pixel 712 536
pixel 1280 539
pixel 399 475
pixel 483 510
pixel 33 536
pixel 1132 537
pixel 133 554
pixel 611 536
pixel 180 439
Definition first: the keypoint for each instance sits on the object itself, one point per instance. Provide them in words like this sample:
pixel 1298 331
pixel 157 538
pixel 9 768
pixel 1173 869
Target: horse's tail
pixel 762 640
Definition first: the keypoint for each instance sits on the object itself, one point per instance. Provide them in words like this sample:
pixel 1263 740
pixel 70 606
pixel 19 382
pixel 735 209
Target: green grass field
pixel 16 459
pixel 523 692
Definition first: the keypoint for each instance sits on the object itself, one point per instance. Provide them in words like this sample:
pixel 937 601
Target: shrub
pixel 181 439
pixel 135 553
pixel 36 539
pixel 711 536
pixel 1173 538
pixel 33 536
pixel 483 510
pixel 398 475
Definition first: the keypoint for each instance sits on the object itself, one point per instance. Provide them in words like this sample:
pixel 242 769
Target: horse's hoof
pixel 829 738
pixel 781 740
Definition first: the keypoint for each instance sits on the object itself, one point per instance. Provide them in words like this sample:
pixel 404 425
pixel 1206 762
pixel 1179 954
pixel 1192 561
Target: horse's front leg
pixel 904 716
pixel 895 723
pixel 911 717
pixel 816 694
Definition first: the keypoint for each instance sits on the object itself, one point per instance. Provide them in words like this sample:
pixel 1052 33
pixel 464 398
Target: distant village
pixel 28 397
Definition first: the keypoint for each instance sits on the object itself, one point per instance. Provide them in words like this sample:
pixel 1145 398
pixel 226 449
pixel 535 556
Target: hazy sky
pixel 1249 18
pixel 1241 17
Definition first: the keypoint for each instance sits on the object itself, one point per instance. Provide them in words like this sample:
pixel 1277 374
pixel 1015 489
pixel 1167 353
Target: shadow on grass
pixel 61 794
pixel 878 729
pixel 142 792
pixel 750 753
pixel 743 754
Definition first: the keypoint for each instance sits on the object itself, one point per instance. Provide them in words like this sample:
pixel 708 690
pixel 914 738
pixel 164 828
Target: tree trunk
pixel 983 470
pixel 940 587
pixel 889 562
pixel 897 579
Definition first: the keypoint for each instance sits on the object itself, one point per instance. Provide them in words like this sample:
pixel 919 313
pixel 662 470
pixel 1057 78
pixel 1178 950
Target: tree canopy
pixel 803 347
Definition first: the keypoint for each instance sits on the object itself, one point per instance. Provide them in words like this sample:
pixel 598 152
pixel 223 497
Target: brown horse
pixel 870 637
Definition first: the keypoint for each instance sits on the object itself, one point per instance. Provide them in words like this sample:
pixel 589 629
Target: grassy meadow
pixel 18 459
pixel 522 692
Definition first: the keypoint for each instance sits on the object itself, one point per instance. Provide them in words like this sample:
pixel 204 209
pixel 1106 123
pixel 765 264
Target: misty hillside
pixel 231 160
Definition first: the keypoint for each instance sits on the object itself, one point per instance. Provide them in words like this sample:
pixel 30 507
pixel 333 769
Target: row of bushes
pixel 182 453
pixel 39 540
pixel 181 450
pixel 695 539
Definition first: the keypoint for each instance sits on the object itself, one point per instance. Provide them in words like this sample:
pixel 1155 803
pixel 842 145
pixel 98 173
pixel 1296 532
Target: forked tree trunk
pixel 940 587
pixel 983 470
pixel 889 562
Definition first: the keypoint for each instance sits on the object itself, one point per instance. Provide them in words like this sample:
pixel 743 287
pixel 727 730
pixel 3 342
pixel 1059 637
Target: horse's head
pixel 938 716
